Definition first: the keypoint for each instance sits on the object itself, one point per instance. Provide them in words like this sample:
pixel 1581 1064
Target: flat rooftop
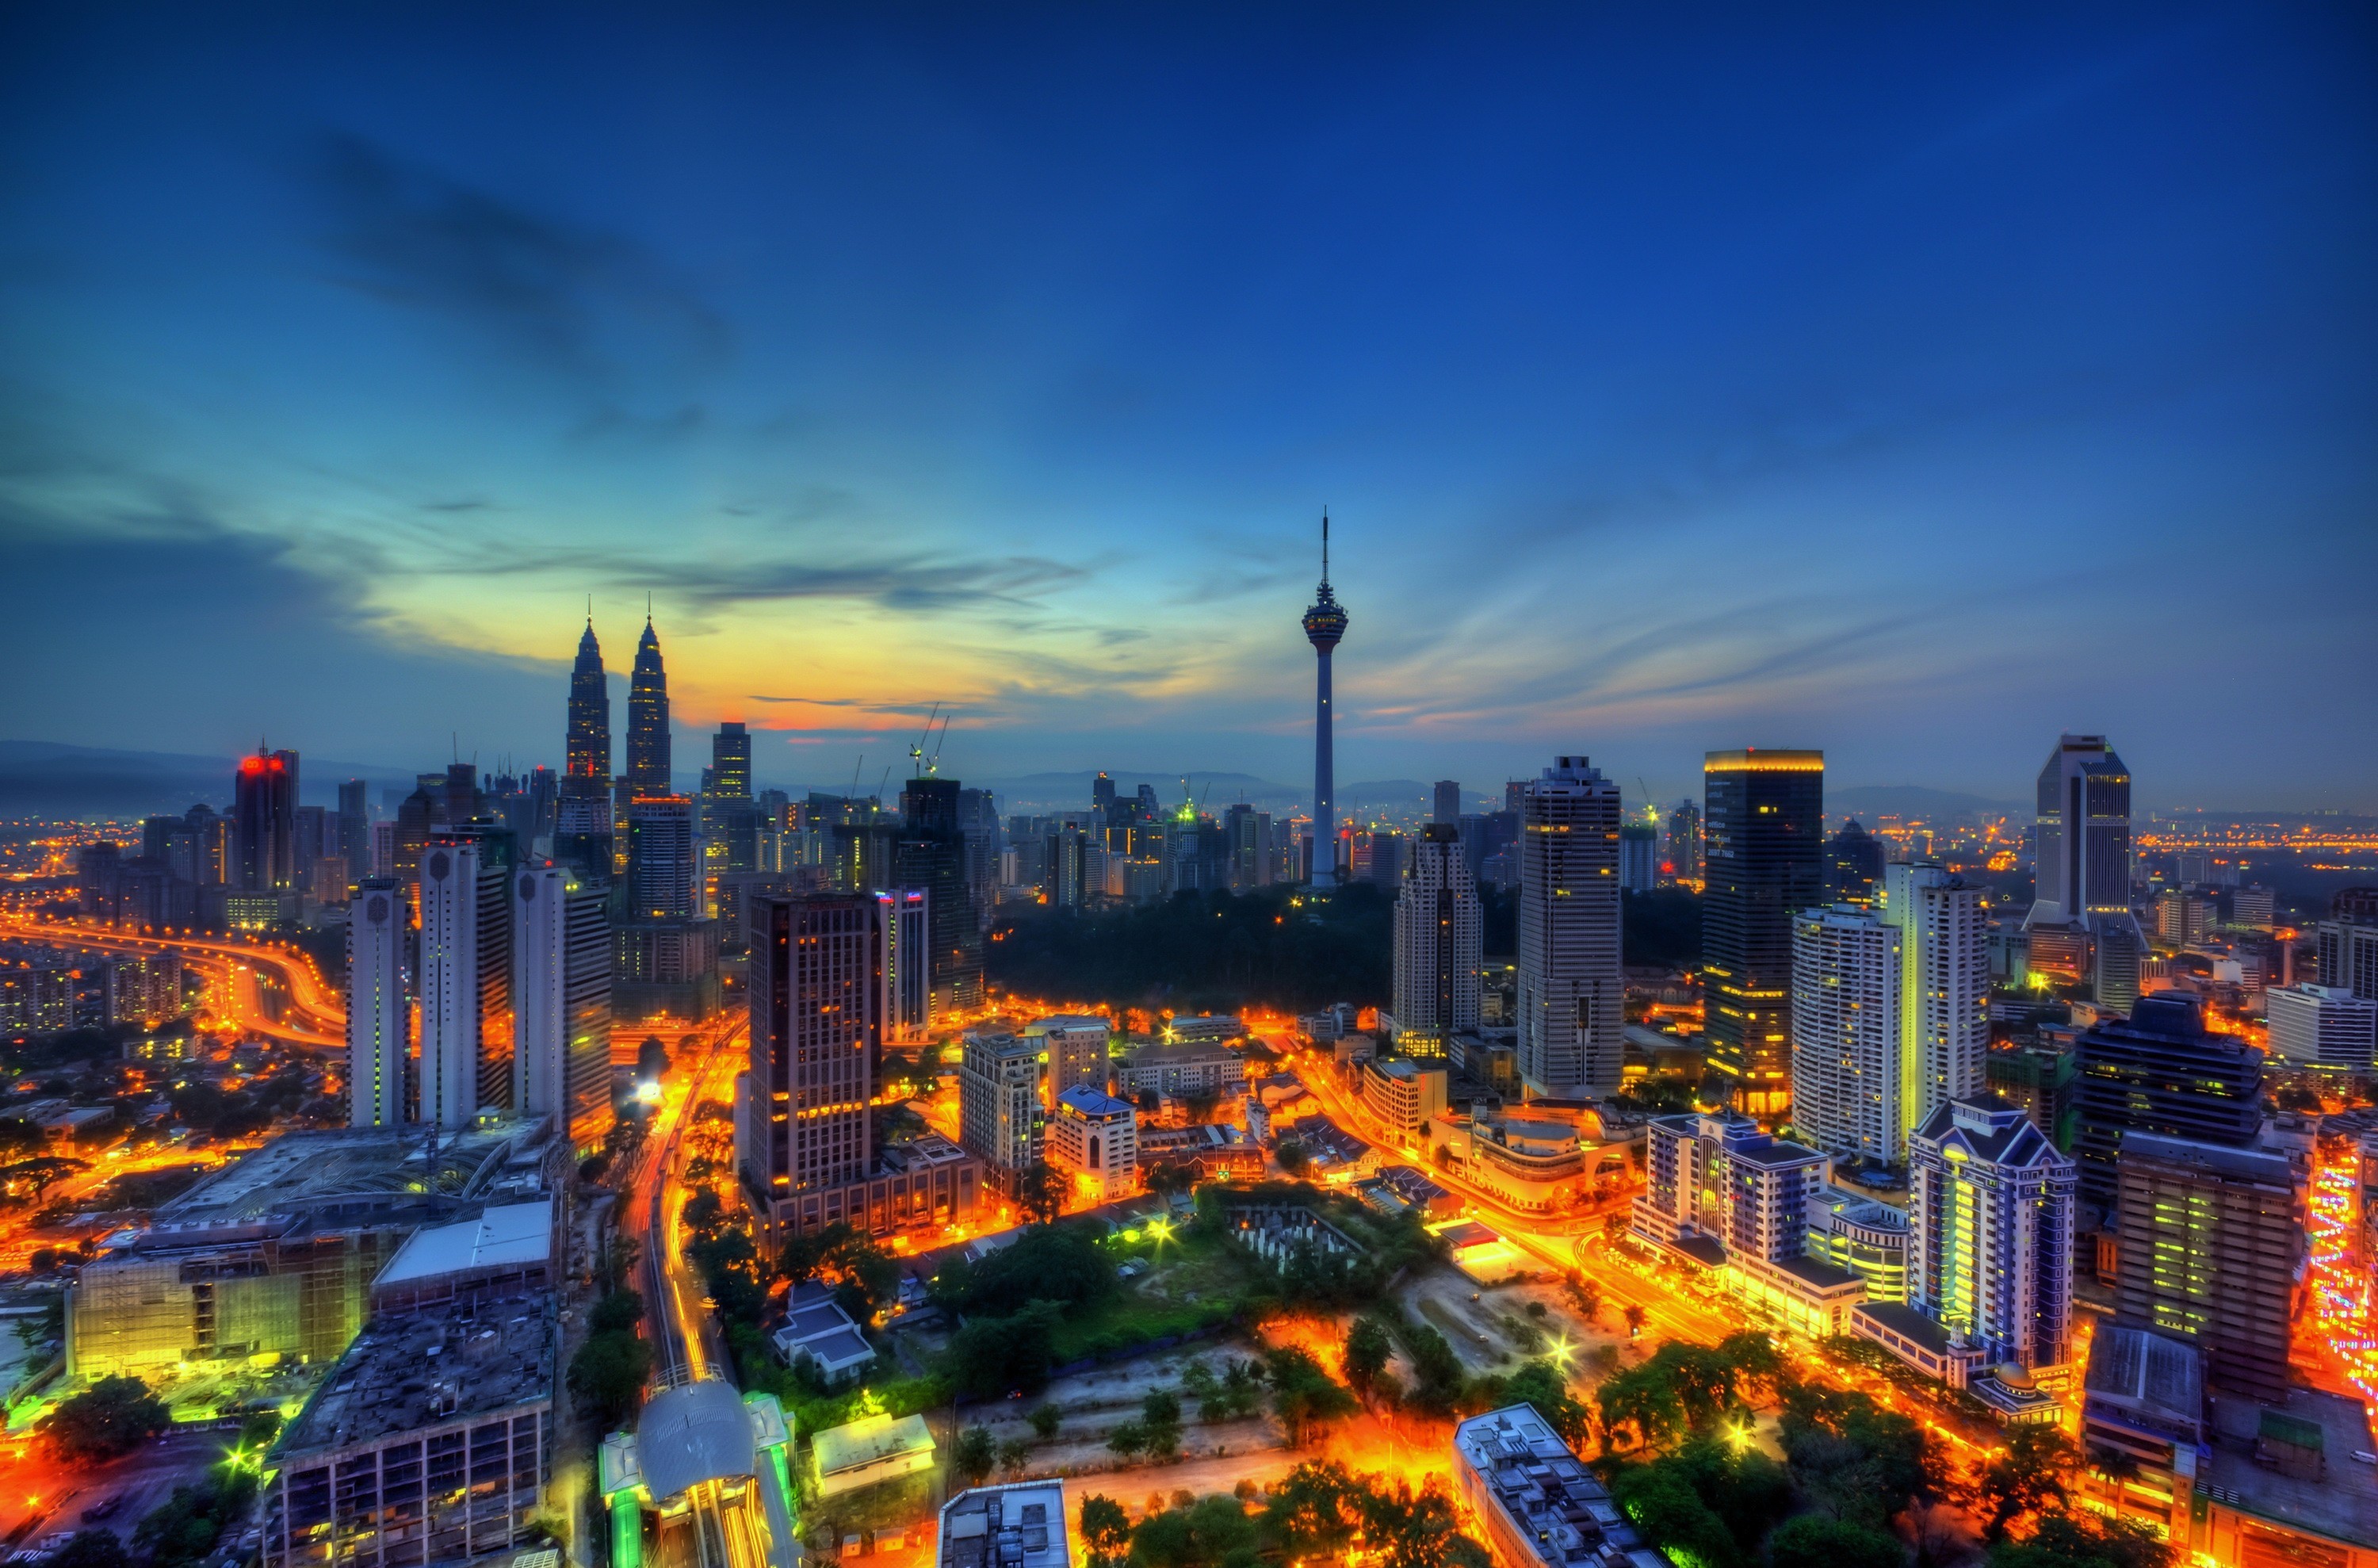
pixel 508 1236
pixel 1552 1500
pixel 1019 1525
pixel 299 1172
pixel 869 1440
pixel 428 1369
pixel 2343 1506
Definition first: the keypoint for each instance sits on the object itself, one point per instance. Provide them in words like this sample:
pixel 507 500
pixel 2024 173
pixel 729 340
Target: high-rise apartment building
pixel 380 1010
pixel 1325 625
pixel 908 958
pixel 2161 1071
pixel 1439 933
pixel 1723 1177
pixel 1253 860
pixel 2321 1026
pixel 930 855
pixel 1447 803
pixel 1846 973
pixel 1684 859
pixel 451 983
pixel 2082 860
pixel 583 822
pixel 648 720
pixel 1762 837
pixel 1639 857
pixel 1944 992
pixel 354 828
pixel 264 814
pixel 1096 1138
pixel 1571 993
pixel 803 1135
pixel 1001 1103
pixel 2346 942
pixel 1076 1048
pixel 2209 1247
pixel 561 1002
pixel 1990 1249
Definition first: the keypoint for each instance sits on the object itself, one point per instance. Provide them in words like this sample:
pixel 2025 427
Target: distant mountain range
pixel 1914 800
pixel 44 779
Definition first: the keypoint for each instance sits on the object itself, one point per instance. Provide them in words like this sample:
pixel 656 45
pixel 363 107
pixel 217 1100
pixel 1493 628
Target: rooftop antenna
pixel 1325 545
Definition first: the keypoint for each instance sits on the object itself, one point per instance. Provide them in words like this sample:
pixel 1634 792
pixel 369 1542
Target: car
pixel 104 1508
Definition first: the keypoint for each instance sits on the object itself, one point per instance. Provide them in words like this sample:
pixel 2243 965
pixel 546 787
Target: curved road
pixel 315 1019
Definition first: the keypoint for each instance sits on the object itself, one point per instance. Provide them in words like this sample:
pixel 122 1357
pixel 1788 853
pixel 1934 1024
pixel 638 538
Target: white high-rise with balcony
pixel 1945 992
pixel 380 1013
pixel 1572 1002
pixel 1845 1034
pixel 450 983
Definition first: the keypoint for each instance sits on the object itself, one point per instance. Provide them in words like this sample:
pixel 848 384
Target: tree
pixel 1634 1316
pixel 1416 1529
pixel 1105 1530
pixel 993 1356
pixel 186 1527
pixel 2063 1540
pixel 1812 1540
pixel 1126 1439
pixel 607 1375
pixel 1041 1191
pixel 2025 1477
pixel 1368 1346
pixel 1659 1501
pixel 1160 1409
pixel 616 1311
pixel 703 1211
pixel 1061 1263
pixel 1212 1532
pixel 91 1549
pixel 37 1174
pixel 1012 1455
pixel 1312 1511
pixel 1294 1156
pixel 108 1419
pixel 1854 1459
pixel 19 1137
pixel 1044 1421
pixel 973 1454
pixel 1301 1395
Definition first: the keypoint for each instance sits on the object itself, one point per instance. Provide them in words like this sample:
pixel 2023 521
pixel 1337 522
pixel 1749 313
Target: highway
pixel 315 1017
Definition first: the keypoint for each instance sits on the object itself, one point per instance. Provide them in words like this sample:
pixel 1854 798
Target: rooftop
pixel 428 1369
pixel 697 1431
pixel 313 1170
pixel 501 1237
pixel 1551 1500
pixel 1018 1525
pixel 2342 1506
pixel 1090 1102
pixel 869 1439
pixel 2151 1373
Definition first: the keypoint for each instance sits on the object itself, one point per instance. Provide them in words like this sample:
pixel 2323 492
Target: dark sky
pixel 1907 381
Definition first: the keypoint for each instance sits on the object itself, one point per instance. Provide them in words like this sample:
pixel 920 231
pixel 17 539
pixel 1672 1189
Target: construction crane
pixel 917 748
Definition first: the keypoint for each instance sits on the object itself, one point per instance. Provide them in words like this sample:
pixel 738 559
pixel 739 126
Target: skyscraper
pixel 1945 992
pixel 1989 1245
pixel 1684 842
pixel 354 828
pixel 1571 1001
pixel 805 1143
pixel 648 720
pixel 1853 865
pixel 581 826
pixel 2082 860
pixel 451 983
pixel 561 1002
pixel 1325 623
pixel 379 1014
pixel 662 883
pixel 1439 936
pixel 1762 843
pixel 930 853
pixel 1845 1024
pixel 1448 802
pixel 730 761
pixel 2160 1071
pixel 264 814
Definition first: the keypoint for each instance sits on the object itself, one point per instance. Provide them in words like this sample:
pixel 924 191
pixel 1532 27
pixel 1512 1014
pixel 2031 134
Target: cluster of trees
pixel 113 1417
pixel 107 1420
pixel 251 1108
pixel 864 1279
pixel 1316 1511
pixel 607 1376
pixel 1013 1301
pixel 1198 950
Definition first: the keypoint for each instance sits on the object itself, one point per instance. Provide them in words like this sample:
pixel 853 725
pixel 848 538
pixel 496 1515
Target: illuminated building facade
pixel 2347 945
pixel 1076 1046
pixel 1439 936
pixel 1002 1115
pixel 1989 1252
pixel 466 979
pixel 648 720
pixel 380 1010
pixel 1096 1137
pixel 1684 859
pixel 561 1005
pixel 1325 624
pixel 1853 865
pixel 1845 1043
pixel 930 852
pixel 2211 1243
pixel 264 814
pixel 583 826
pixel 805 1142
pixel 1762 843
pixel 663 881
pixel 1944 990
pixel 1571 994
pixel 2321 1026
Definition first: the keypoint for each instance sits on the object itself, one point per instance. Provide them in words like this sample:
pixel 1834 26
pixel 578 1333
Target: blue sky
pixel 1911 385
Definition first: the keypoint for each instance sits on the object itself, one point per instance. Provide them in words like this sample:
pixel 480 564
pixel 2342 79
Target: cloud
pixel 569 298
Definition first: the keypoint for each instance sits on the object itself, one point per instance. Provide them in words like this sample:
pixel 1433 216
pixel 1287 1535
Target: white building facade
pixel 2321 1026
pixel 380 1010
pixel 449 984
pixel 1846 973
pixel 561 1002
pixel 1989 1247
pixel 1096 1137
pixel 1944 992
pixel 1000 1106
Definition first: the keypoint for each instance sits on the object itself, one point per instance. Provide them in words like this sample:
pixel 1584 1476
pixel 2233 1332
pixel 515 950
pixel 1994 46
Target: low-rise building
pixel 1021 1524
pixel 872 1448
pixel 819 1333
pixel 2142 1398
pixel 1403 1093
pixel 432 1441
pixel 1096 1137
pixel 1536 1504
pixel 2321 1026
pixel 1864 1235
pixel 1192 1069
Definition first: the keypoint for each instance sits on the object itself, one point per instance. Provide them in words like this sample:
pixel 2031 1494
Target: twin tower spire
pixel 587 747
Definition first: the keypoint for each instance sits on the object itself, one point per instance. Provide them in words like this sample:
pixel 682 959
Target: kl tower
pixel 1324 624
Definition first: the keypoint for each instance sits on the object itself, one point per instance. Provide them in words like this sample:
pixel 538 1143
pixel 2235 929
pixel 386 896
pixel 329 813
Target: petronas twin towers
pixel 588 813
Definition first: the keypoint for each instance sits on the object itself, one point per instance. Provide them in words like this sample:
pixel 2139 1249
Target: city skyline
pixel 922 395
